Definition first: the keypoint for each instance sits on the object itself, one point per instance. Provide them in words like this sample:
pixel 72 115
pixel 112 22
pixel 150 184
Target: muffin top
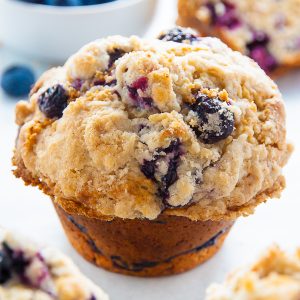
pixel 275 276
pixel 133 128
pixel 31 272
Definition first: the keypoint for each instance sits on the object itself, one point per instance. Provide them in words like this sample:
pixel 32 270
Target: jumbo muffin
pixel 150 149
pixel 31 272
pixel 275 276
pixel 267 31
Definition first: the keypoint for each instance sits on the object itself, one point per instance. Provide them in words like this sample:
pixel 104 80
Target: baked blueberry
pixel 258 50
pixel 17 260
pixel 139 101
pixel 115 55
pixel 170 178
pixel 211 119
pixel 225 17
pixel 171 156
pixel 264 58
pixel 5 267
pixel 148 168
pixel 19 263
pixel 179 35
pixel 53 101
pixel 259 38
pixel 16 81
pixel 77 84
pixel 11 262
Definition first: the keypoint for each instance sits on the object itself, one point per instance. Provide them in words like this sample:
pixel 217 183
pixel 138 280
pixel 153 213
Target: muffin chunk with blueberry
pixel 267 31
pixel 150 149
pixel 276 276
pixel 31 272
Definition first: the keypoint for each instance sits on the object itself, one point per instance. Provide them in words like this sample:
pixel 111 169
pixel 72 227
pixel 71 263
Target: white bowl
pixel 53 33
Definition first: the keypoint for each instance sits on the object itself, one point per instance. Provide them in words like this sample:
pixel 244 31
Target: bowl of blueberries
pixel 51 30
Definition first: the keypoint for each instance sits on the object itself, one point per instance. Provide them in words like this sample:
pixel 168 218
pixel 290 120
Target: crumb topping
pixel 276 276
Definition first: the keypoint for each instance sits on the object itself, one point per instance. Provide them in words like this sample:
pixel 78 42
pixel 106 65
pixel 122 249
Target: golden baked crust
pixel 123 114
pixel 238 22
pixel 275 276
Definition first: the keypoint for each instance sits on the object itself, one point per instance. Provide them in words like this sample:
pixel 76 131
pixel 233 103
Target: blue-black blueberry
pixel 17 80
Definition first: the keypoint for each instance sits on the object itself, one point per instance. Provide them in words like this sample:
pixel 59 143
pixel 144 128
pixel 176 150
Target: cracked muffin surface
pixel 31 272
pixel 276 276
pixel 133 128
pixel 267 31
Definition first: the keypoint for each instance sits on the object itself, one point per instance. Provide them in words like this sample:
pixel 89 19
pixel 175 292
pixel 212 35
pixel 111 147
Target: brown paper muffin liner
pixel 164 246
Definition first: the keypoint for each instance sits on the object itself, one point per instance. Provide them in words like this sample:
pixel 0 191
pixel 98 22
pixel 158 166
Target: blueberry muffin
pixel 267 31
pixel 30 272
pixel 150 149
pixel 275 276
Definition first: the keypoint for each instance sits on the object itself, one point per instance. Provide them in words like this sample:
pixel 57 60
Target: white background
pixel 28 211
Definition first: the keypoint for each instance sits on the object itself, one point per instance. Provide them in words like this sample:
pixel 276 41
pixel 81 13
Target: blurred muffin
pixel 275 276
pixel 150 149
pixel 267 31
pixel 30 272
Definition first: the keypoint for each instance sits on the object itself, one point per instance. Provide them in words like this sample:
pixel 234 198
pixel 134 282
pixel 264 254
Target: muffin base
pixel 165 246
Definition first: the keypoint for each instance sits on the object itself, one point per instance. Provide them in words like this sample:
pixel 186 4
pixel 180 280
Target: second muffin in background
pixel 32 272
pixel 275 276
pixel 150 149
pixel 267 31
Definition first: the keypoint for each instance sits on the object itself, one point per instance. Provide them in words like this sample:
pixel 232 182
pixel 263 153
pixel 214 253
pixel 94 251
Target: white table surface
pixel 28 211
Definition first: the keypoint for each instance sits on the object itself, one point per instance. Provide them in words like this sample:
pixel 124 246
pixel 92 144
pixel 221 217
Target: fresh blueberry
pixel 179 35
pixel 53 101
pixel 16 81
pixel 227 18
pixel 93 2
pixel 115 55
pixel 33 1
pixel 215 121
pixel 5 267
pixel 63 2
pixel 68 2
